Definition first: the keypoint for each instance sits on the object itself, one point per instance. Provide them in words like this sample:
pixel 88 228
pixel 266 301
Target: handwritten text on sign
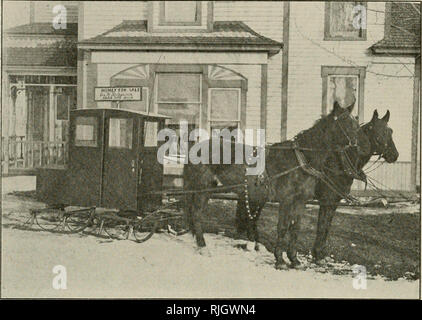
pixel 118 94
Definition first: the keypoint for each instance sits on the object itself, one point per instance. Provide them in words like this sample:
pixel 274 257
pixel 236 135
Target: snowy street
pixel 164 266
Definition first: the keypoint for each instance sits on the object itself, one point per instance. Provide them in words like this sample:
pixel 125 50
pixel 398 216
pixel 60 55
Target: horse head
pixel 344 127
pixel 381 137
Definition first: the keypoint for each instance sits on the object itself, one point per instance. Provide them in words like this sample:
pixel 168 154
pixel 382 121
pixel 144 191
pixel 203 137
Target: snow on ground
pixel 164 266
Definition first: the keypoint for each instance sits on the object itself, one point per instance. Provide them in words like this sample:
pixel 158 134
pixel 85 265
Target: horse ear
pixel 387 116
pixel 351 107
pixel 336 108
pixel 375 115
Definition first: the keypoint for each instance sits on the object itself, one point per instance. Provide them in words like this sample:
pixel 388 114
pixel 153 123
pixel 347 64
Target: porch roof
pixel 403 30
pixel 234 35
pixel 41 45
pixel 43 28
pixel 45 57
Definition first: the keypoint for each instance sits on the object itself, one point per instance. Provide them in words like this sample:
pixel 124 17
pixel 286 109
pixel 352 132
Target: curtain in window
pixel 179 96
pixel 344 90
pixel 178 87
pixel 224 108
pixel 341 19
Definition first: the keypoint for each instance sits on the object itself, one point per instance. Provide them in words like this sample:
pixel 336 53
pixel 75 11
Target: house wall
pixel 15 13
pixel 43 10
pixel 265 18
pixel 388 83
pixel 104 65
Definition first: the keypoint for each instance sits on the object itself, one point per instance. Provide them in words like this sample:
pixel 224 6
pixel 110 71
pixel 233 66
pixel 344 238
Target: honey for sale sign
pixel 118 93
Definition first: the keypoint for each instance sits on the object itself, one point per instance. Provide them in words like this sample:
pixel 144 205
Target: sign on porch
pixel 118 93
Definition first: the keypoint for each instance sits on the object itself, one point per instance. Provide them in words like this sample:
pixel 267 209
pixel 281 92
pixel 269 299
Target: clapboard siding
pixel 266 18
pixel 308 52
pixel 101 16
pixel 387 176
pixel 388 84
pixel 43 10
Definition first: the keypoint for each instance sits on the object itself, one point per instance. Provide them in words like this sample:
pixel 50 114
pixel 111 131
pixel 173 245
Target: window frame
pixel 162 16
pixel 330 71
pixel 131 146
pixel 200 103
pixel 87 143
pixel 327 26
pixel 239 108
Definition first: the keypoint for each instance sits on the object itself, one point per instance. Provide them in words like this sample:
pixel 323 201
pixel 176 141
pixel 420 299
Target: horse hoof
pixel 320 262
pixel 281 266
pixel 241 245
pixel 204 251
pixel 298 266
pixel 250 246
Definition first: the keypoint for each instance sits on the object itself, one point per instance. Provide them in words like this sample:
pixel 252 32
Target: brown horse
pixel 282 179
pixel 378 136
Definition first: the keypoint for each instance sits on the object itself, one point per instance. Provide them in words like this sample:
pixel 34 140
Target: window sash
pixel 341 32
pixel 168 16
pixel 221 120
pixel 86 131
pixel 330 93
pixel 118 137
pixel 158 75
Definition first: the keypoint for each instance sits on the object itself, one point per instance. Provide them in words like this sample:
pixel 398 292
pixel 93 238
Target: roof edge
pixel 270 48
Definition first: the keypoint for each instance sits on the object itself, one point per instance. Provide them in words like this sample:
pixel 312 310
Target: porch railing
pixel 23 154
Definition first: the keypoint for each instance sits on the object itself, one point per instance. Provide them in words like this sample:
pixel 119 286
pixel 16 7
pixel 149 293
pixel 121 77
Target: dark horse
pixel 283 179
pixel 378 136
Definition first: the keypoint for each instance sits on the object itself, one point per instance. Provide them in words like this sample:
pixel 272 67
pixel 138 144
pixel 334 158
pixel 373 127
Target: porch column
pixel 52 114
pixel 6 102
pixel 414 174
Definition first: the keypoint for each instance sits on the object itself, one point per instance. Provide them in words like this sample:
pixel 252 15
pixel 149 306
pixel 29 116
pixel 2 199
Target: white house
pixel 250 64
pixel 333 55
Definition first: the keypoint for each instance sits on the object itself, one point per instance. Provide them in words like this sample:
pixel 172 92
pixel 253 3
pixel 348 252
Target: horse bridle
pixel 378 145
pixel 351 143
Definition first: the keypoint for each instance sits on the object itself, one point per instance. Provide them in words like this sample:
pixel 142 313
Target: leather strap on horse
pixel 320 175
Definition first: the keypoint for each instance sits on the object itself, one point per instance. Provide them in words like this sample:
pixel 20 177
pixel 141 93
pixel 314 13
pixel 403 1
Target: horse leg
pixel 255 230
pixel 255 226
pixel 294 228
pixel 325 217
pixel 282 228
pixel 188 213
pixel 241 218
pixel 199 205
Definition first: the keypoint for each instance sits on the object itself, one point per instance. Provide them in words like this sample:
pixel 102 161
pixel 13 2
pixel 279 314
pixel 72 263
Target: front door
pixel 151 170
pixel 120 162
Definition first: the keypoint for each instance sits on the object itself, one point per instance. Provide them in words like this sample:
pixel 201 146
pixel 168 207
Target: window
pixel 120 133
pixel 150 134
pixel 224 108
pixel 344 85
pixel 86 131
pixel 183 13
pixel 345 21
pixel 179 96
pixel 344 90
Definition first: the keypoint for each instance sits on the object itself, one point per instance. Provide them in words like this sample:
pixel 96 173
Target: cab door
pixel 151 170
pixel 120 167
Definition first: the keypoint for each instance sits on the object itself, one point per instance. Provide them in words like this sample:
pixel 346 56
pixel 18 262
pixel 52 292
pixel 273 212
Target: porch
pixel 35 122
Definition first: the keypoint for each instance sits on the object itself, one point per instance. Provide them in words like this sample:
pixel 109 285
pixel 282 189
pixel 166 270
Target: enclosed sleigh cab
pixel 112 162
